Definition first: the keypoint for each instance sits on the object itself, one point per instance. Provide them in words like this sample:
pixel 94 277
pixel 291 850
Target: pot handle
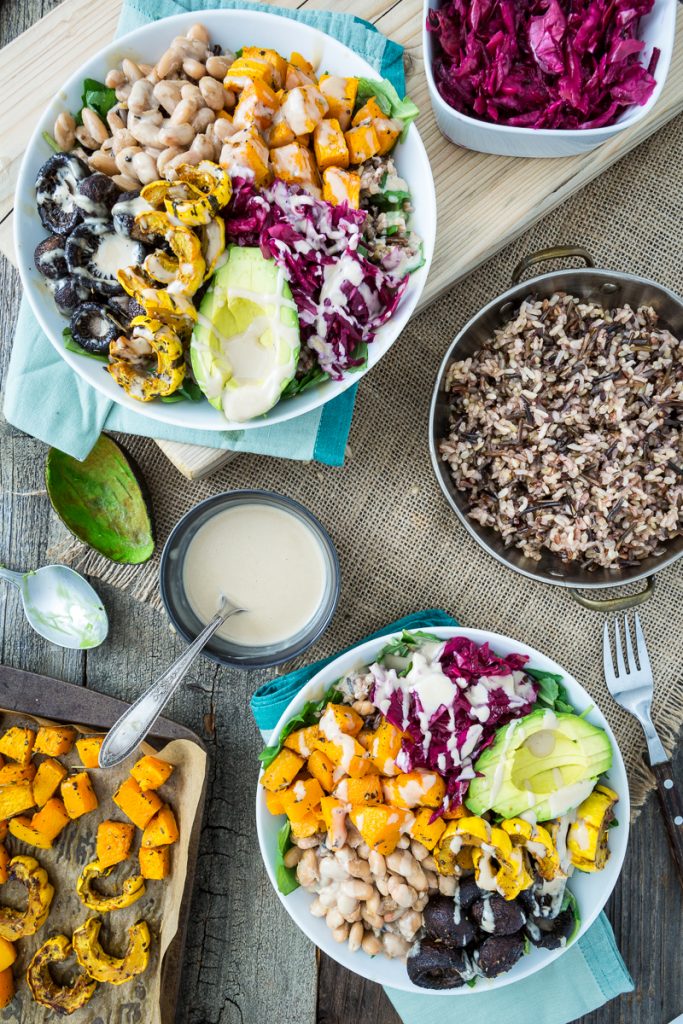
pixel 615 604
pixel 556 252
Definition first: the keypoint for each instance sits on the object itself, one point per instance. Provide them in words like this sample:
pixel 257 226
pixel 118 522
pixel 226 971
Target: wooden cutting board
pixel 483 202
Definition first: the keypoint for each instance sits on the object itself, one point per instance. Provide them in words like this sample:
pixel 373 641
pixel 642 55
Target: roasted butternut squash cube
pixel 303 108
pixel 256 107
pixel 139 807
pixel 426 832
pixel 340 718
pixel 381 825
pixel 78 795
pixel 11 774
pixel 301 740
pixel 245 155
pixel 4 864
pixel 154 862
pixel 279 133
pixel 340 186
pixel 89 750
pixel 7 987
pixel 22 828
pixel 274 803
pixel 368 112
pixel 15 799
pixel 294 163
pixel 8 954
pixel 308 826
pixel 346 752
pixel 162 829
pixel 334 817
pixel 387 131
pixel 278 63
pixel 415 789
pixel 367 790
pixel 322 769
pixel 48 777
pixel 303 796
pixel 385 748
pixel 340 94
pixel 114 840
pixel 282 771
pixel 51 819
pixel 17 744
pixel 54 740
pixel 244 70
pixel 330 145
pixel 453 813
pixel 300 62
pixel 362 142
pixel 151 772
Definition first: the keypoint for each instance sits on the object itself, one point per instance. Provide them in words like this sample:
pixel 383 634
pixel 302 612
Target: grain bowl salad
pixel 224 226
pixel 565 433
pixel 435 805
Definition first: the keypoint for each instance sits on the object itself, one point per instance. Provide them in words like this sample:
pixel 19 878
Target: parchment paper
pixel 138 1001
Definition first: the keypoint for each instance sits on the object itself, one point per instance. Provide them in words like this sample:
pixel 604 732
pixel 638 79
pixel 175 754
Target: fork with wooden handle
pixel 631 686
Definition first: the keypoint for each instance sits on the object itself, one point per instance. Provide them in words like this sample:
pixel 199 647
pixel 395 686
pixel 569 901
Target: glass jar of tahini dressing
pixel 265 553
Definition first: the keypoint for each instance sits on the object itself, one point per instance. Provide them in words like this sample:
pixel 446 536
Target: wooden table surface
pixel 246 963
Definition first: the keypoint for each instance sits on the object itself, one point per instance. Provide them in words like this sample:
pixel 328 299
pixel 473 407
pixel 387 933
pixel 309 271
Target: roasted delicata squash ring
pixel 173 308
pixel 184 244
pixel 497 864
pixel 17 924
pixel 210 178
pixel 63 999
pixel 538 843
pixel 180 200
pixel 212 237
pixel 133 888
pixel 587 841
pixel 103 967
pixel 138 377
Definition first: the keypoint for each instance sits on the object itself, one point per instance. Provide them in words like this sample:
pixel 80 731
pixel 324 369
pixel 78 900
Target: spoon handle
pixel 134 724
pixel 15 578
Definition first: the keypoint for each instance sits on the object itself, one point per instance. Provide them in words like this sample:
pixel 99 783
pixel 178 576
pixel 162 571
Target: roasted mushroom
pixel 95 253
pixel 94 327
pixel 124 212
pixel 446 921
pixel 63 999
pixel 57 192
pixel 432 964
pixel 498 954
pixel 99 193
pixel 551 933
pixel 16 924
pixel 497 916
pixel 466 892
pixel 125 308
pixel 49 258
pixel 133 889
pixel 69 293
pixel 103 967
pixel 544 899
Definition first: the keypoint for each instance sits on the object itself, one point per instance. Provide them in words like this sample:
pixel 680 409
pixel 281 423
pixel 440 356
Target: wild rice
pixel 565 432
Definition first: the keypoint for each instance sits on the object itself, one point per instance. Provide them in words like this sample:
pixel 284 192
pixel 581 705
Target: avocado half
pixel 543 765
pixel 103 501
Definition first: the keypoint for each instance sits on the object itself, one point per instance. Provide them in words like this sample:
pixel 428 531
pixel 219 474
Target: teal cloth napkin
pixel 45 398
pixel 588 975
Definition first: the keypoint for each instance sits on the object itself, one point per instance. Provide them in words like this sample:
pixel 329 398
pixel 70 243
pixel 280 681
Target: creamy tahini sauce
pixel 262 558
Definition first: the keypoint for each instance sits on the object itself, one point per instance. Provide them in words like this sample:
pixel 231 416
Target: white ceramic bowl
pixel 591 890
pixel 231 29
pixel 657 29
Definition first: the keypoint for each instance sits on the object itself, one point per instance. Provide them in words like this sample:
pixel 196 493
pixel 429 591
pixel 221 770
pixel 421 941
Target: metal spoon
pixel 61 606
pixel 134 724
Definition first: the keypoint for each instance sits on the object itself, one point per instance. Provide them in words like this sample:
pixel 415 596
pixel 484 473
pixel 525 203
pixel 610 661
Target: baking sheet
pixel 138 1001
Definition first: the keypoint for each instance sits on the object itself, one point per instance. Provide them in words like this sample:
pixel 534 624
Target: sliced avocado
pixel 543 764
pixel 245 345
pixel 103 501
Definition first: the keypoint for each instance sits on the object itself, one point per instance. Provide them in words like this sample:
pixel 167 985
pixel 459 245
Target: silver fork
pixel 631 686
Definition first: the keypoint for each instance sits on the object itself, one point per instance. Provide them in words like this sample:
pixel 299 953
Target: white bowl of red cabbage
pixel 544 78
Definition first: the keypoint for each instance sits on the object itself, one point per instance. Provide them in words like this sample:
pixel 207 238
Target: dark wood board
pixel 32 694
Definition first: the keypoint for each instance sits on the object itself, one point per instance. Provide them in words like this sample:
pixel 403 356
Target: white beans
pixel 217 67
pixel 130 70
pixel 403 894
pixel 341 934
pixel 115 78
pixel 168 64
pixel 307 869
pixel 292 857
pixel 317 909
pixel 185 111
pixel 65 131
pixel 125 182
pixel 142 97
pixel 347 905
pixel 104 163
pixel 359 890
pixel 447 885
pixel 334 918
pixel 202 119
pixel 356 936
pixel 86 140
pixel 371 944
pixel 124 160
pixel 394 945
pixel 178 135
pixel 377 863
pixel 212 92
pixel 193 68
pixel 418 851
pixel 199 33
pixel 167 94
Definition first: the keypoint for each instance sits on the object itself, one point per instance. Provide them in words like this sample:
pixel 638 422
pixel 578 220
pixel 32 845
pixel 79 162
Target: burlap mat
pixel 401 548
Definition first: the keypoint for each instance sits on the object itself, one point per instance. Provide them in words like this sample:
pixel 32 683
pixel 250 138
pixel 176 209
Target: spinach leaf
pixel 309 380
pixel 98 97
pixel 309 715
pixel 402 646
pixel 72 345
pixel 551 691
pixel 52 142
pixel 286 877
pixel 569 900
pixel 189 391
pixel 388 101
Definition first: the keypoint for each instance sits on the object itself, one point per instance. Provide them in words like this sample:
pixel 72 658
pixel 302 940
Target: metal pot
pixel 589 283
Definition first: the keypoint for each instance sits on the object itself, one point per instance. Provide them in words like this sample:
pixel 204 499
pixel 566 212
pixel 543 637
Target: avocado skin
pixel 496 790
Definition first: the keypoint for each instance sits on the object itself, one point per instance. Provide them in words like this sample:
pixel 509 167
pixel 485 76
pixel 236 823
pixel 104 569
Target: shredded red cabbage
pixel 341 297
pixel 454 736
pixel 542 63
